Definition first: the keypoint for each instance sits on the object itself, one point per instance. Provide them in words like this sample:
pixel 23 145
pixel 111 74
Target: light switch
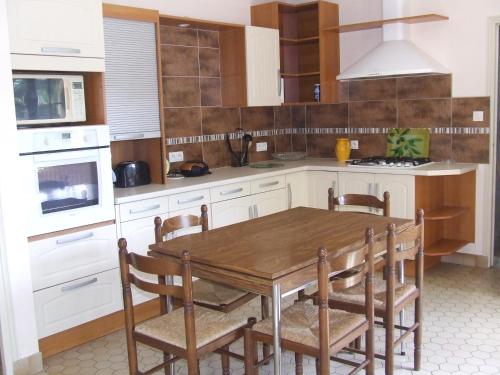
pixel 176 156
pixel 478 116
pixel 261 146
pixel 354 144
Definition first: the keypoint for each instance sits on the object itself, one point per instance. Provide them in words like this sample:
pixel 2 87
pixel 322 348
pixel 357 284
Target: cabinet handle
pixel 75 51
pixel 268 184
pixel 334 186
pixel 229 192
pixel 79 285
pixel 151 208
pixel 377 189
pixel 250 212
pixel 124 137
pixel 370 189
pixel 279 82
pixel 84 236
pixel 289 188
pixel 255 211
pixel 190 200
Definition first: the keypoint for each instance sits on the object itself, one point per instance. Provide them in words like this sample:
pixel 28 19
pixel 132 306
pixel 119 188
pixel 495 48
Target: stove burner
pixel 390 161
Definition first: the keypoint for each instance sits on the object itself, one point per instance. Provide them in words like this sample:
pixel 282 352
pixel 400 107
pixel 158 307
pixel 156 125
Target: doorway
pixel 496 251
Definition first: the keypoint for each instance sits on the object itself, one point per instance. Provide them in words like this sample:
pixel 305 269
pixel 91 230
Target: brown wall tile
pixel 216 154
pixel 440 147
pixel 299 142
pixel 298 116
pixel 257 118
pixel 471 148
pixel 179 61
pixel 369 145
pixel 327 115
pixel 265 155
pixel 321 145
pixel 373 114
pixel 463 108
pixel 421 87
pixel 220 120
pixel 372 89
pixel 283 143
pixel 343 91
pixel 210 92
pixel 282 117
pixel 209 62
pixel 181 92
pixel 182 122
pixel 178 36
pixel 425 113
pixel 207 38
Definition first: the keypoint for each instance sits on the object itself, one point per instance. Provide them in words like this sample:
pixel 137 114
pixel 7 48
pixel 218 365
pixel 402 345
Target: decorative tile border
pixel 343 131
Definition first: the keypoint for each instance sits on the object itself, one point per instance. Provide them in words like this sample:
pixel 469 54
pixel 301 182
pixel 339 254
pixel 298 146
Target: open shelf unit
pixel 308 56
pixel 449 204
pixel 379 23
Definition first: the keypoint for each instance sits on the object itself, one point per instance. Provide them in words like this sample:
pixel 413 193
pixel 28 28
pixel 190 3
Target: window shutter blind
pixel 131 79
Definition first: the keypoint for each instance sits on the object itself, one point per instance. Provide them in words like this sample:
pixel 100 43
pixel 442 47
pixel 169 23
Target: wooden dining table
pixel 274 255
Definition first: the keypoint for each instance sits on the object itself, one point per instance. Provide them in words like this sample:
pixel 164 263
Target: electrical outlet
pixel 261 146
pixel 354 144
pixel 478 116
pixel 174 157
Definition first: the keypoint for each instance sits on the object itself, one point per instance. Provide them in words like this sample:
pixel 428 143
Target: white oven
pixel 67 178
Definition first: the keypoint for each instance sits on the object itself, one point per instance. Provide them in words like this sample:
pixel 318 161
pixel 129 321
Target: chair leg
pixel 417 355
pixel 168 368
pixel 225 361
pixel 370 351
pixel 132 356
pixel 298 364
pixel 264 306
pixel 389 344
pixel 250 349
pixel 301 295
pixel 317 366
pixel 357 343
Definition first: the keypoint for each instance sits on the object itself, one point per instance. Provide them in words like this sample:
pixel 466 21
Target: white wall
pixel 19 302
pixel 461 44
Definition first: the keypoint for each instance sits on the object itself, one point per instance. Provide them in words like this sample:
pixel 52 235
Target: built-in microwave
pixel 44 99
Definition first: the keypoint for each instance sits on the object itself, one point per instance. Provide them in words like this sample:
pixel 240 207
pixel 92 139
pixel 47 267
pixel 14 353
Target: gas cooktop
pixel 389 162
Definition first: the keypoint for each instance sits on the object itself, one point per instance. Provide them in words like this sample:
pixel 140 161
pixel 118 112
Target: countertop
pixel 230 175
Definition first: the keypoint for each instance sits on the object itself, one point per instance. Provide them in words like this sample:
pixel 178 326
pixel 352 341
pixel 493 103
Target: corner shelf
pixel 444 247
pixel 293 41
pixel 296 75
pixel 379 23
pixel 445 213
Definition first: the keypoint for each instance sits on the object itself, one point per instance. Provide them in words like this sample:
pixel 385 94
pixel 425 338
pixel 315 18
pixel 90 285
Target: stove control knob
pixel 46 141
pixel 391 164
pixel 415 163
pixel 399 164
pixel 383 162
pixel 407 164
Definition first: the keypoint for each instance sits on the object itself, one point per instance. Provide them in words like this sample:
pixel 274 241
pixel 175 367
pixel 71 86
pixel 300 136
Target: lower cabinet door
pixel 67 305
pixel 319 183
pixel 231 211
pixel 402 193
pixel 356 183
pixel 269 203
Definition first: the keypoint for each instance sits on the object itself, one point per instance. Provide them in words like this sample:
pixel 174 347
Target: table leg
pixel 277 328
pixel 170 306
pixel 402 312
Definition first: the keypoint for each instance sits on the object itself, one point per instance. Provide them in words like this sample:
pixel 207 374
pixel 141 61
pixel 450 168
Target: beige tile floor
pixel 461 335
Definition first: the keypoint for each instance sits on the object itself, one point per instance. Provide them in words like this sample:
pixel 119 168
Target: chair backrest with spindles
pixel 360 200
pixel 176 223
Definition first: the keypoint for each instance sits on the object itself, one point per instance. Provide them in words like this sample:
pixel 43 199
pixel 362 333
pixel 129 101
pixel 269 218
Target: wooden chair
pixel 337 329
pixel 360 200
pixel 392 297
pixel 207 293
pixel 186 333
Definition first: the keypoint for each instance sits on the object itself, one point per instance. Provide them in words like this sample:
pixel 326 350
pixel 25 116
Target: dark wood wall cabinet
pixel 309 55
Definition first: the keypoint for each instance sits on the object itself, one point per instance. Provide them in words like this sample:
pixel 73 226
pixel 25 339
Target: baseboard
pixel 94 329
pixel 467 260
pixel 29 365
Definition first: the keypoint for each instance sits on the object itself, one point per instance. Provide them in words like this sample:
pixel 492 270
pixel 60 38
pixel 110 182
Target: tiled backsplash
pixel 369 108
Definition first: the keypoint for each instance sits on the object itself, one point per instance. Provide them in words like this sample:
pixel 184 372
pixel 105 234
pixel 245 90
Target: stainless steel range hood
pixel 396 55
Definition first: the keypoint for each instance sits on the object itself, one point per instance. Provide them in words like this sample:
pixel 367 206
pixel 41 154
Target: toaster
pixel 132 173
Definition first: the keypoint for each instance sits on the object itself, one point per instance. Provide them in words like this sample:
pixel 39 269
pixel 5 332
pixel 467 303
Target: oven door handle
pixel 64 241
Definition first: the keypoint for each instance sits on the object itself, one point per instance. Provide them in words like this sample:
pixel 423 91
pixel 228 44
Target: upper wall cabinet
pixel 62 35
pixel 263 66
pixel 131 79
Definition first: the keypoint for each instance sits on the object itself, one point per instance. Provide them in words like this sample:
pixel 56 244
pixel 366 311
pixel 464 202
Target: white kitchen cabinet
pixel 76 302
pixel 319 182
pixel 269 203
pixel 231 191
pixel 60 259
pixel 262 47
pixel 231 211
pixel 56 35
pixel 297 189
pixel 402 191
pixel 355 183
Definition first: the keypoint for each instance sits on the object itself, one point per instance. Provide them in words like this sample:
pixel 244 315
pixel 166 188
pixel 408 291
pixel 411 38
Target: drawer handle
pixel 79 285
pixel 267 184
pixel 229 192
pixel 75 239
pixel 151 208
pixel 124 137
pixel 75 51
pixel 195 199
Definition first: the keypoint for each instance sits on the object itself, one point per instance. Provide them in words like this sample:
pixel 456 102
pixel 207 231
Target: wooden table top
pixel 275 245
